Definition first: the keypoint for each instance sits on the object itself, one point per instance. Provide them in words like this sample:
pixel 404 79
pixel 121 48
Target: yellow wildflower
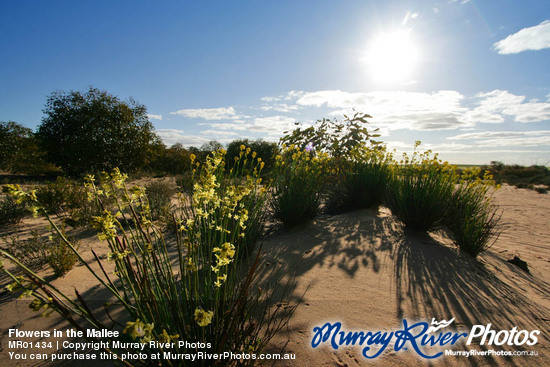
pixel 202 317
pixel 227 251
pixel 167 338
pixel 138 329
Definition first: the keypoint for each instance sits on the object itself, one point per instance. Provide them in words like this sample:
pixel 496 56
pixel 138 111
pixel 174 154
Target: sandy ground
pixel 363 270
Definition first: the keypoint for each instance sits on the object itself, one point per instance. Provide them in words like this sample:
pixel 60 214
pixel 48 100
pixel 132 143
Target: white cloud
pixel 209 113
pixel 494 105
pixel 239 126
pixel 499 134
pixel 217 133
pixel 270 125
pixel 280 107
pixel 397 110
pixel 532 38
pixel 507 138
pixel 273 125
pixel 154 117
pixel 173 136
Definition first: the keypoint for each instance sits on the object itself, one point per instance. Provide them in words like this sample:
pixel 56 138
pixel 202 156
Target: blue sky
pixel 470 79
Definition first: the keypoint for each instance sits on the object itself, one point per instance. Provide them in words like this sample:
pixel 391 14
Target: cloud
pixel 507 138
pixel 494 105
pixel 173 136
pixel 270 125
pixel 273 125
pixel 394 110
pixel 280 107
pixel 209 113
pixel 239 126
pixel 532 38
pixel 154 117
pixel 217 133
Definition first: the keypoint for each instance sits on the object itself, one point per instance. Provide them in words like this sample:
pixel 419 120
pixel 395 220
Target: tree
pixel 264 150
pixel 19 151
pixel 337 138
pixel 95 131
pixel 174 160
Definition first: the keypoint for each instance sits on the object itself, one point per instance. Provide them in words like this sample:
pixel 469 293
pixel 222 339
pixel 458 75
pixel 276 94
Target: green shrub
pixel 361 181
pixel 264 150
pixel 11 212
pixel 39 250
pixel 159 195
pixel 248 199
pixel 67 197
pixel 185 182
pixel 297 181
pixel 541 190
pixel 193 290
pixel 519 176
pixel 32 252
pixel 59 255
pixel 62 195
pixel 420 191
pixel 472 222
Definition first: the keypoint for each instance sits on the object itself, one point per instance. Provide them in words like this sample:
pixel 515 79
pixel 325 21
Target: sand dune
pixel 364 270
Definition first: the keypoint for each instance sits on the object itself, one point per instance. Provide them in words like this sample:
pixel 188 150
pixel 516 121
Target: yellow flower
pixel 114 256
pixel 202 317
pixel 190 265
pixel 166 338
pixel 220 280
pixel 106 225
pixel 138 329
pixel 227 251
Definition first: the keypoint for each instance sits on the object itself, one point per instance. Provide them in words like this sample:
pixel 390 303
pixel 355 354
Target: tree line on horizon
pixel 95 131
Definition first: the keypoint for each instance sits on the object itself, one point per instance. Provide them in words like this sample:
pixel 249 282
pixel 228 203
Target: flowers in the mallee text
pixel 419 336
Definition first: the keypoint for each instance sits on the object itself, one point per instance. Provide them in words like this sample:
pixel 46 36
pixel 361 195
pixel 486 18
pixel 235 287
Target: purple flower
pixel 309 147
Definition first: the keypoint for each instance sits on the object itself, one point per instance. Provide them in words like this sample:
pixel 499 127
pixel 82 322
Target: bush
pixel 298 177
pixel 11 212
pixel 248 199
pixel 185 182
pixel 472 222
pixel 59 256
pixel 66 196
pixel 264 150
pixel 173 160
pixel 61 195
pixel 32 252
pixel 420 190
pixel 159 195
pixel 194 290
pixel 38 250
pixel 519 176
pixel 360 182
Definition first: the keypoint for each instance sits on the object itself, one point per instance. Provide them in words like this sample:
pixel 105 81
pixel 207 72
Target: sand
pixel 364 270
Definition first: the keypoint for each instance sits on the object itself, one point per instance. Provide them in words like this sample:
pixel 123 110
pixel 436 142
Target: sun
pixel 392 57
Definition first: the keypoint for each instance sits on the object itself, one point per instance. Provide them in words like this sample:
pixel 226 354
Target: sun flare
pixel 392 57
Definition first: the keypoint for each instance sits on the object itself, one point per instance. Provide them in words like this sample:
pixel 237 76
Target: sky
pixel 470 79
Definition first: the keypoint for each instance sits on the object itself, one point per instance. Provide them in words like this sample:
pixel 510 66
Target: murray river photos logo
pixel 419 337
